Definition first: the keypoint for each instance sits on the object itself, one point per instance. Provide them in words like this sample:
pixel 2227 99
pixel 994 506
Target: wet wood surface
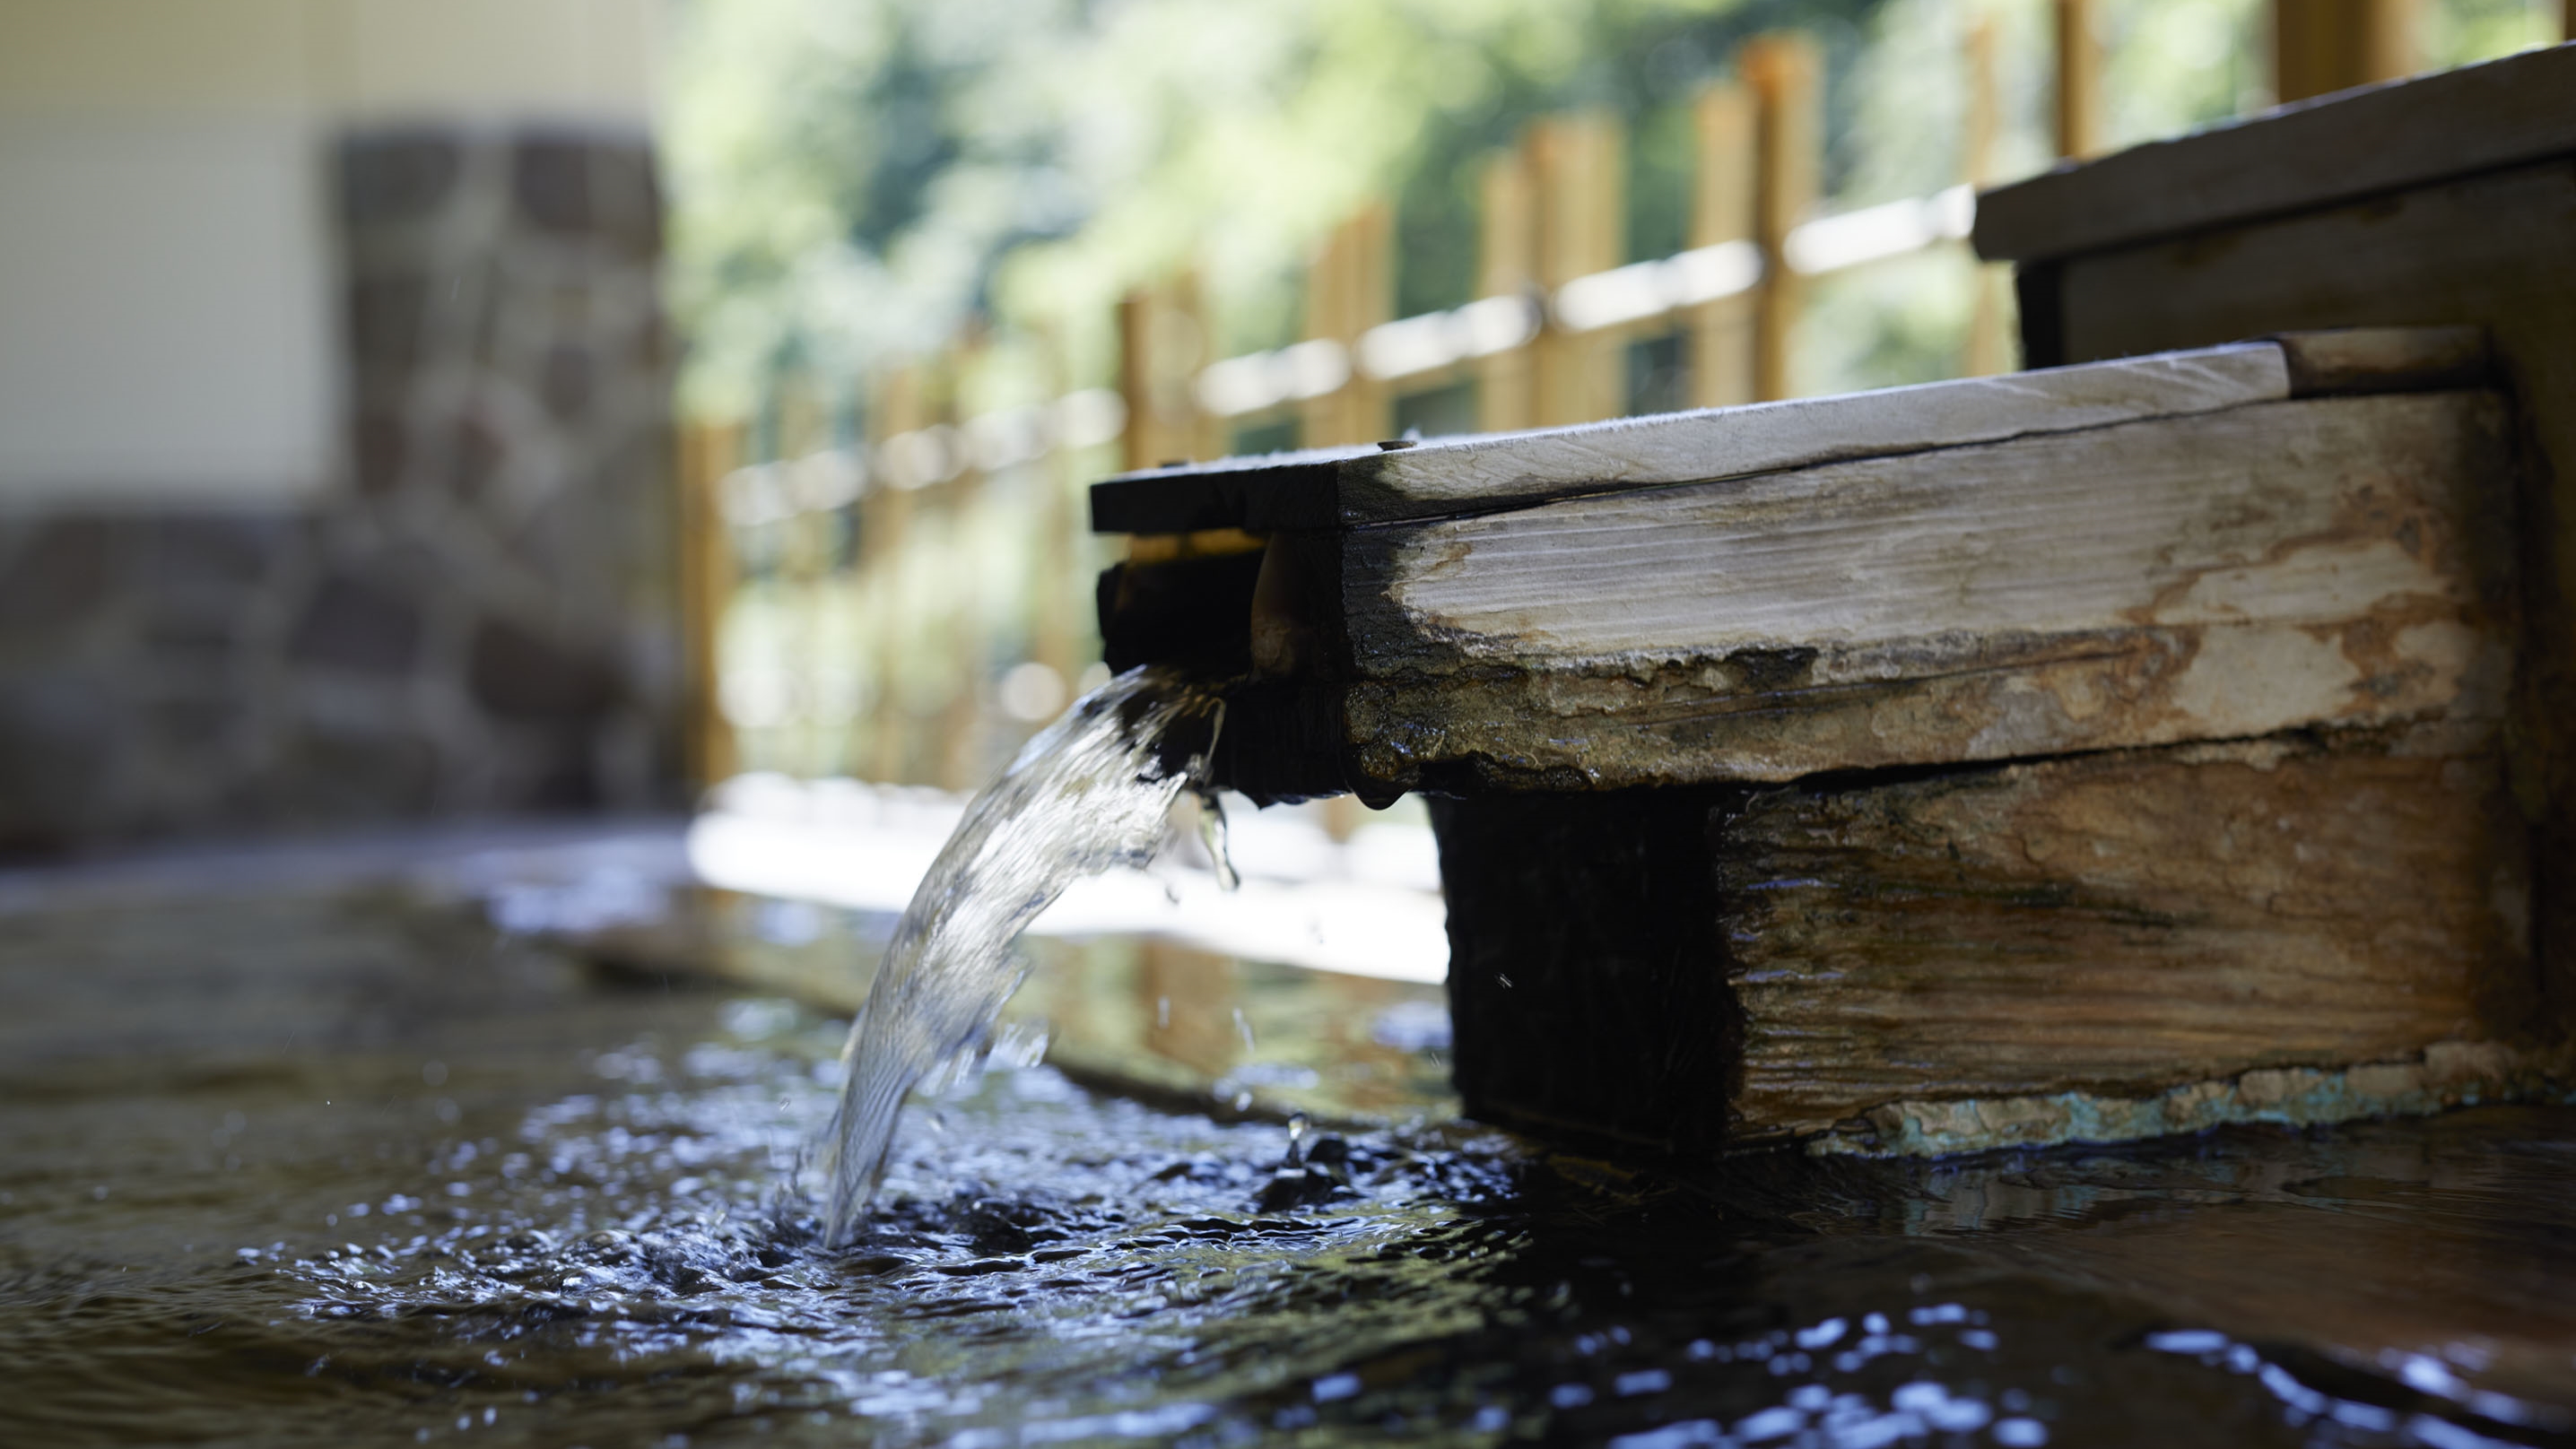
pixel 2327 562
pixel 2121 923
pixel 2488 249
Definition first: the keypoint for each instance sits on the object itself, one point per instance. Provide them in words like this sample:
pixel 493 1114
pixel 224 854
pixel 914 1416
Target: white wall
pixel 167 331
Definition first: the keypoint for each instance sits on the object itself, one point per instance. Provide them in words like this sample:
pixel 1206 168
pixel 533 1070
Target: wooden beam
pixel 2323 46
pixel 2102 947
pixel 2145 919
pixel 2456 123
pixel 1722 211
pixel 1332 488
pixel 1785 72
pixel 2341 561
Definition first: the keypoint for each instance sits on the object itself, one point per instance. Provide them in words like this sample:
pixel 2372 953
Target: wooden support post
pixel 2079 79
pixel 1989 348
pixel 708 452
pixel 2322 46
pixel 1784 71
pixel 1507 266
pixel 1581 189
pixel 1721 332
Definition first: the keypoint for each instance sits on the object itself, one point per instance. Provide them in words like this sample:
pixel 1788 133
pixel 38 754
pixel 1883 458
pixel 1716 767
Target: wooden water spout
pixel 2111 749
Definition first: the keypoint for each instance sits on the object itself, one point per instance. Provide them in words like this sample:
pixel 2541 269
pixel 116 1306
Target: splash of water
pixel 1091 791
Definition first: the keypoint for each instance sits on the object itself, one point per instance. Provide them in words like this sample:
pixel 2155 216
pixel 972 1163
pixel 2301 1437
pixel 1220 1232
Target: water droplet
pixel 1212 838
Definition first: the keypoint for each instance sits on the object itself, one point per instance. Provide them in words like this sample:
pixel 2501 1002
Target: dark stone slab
pixel 216 555
pixel 58 576
pixel 386 316
pixel 567 381
pixel 517 674
pixel 476 452
pixel 59 734
pixel 396 176
pixel 357 624
pixel 380 448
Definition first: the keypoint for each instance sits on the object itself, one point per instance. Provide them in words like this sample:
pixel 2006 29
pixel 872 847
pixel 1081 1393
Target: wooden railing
pixel 1544 343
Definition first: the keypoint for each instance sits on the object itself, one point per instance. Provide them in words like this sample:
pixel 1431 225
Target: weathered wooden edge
pixel 2315 153
pixel 1445 721
pixel 1510 470
pixel 1324 488
pixel 2349 360
pixel 1273 493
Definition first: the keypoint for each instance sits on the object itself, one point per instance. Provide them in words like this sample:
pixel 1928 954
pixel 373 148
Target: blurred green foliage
pixel 856 181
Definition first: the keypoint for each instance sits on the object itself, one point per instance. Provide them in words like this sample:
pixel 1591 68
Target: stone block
pixel 396 177
pixel 59 575
pixel 357 624
pixel 519 675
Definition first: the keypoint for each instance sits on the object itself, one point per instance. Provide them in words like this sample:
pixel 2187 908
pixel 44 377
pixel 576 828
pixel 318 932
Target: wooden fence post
pixel 1581 186
pixel 1350 288
pixel 2321 46
pixel 885 528
pixel 1139 441
pixel 956 755
pixel 1784 71
pixel 1506 266
pixel 1988 350
pixel 1052 595
pixel 2079 79
pixel 1721 332
pixel 708 452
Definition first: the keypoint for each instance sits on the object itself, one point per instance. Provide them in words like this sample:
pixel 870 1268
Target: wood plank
pixel 1324 488
pixel 2318 153
pixel 1514 469
pixel 2119 923
pixel 2336 561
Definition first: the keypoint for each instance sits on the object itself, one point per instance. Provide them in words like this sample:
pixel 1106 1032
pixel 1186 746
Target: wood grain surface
pixel 2335 561
pixel 2121 922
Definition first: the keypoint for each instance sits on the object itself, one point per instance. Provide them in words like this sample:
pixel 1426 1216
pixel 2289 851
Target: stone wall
pixel 480 616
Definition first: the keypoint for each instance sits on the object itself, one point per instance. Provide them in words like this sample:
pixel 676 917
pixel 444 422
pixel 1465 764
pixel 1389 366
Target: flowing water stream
pixel 1091 791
